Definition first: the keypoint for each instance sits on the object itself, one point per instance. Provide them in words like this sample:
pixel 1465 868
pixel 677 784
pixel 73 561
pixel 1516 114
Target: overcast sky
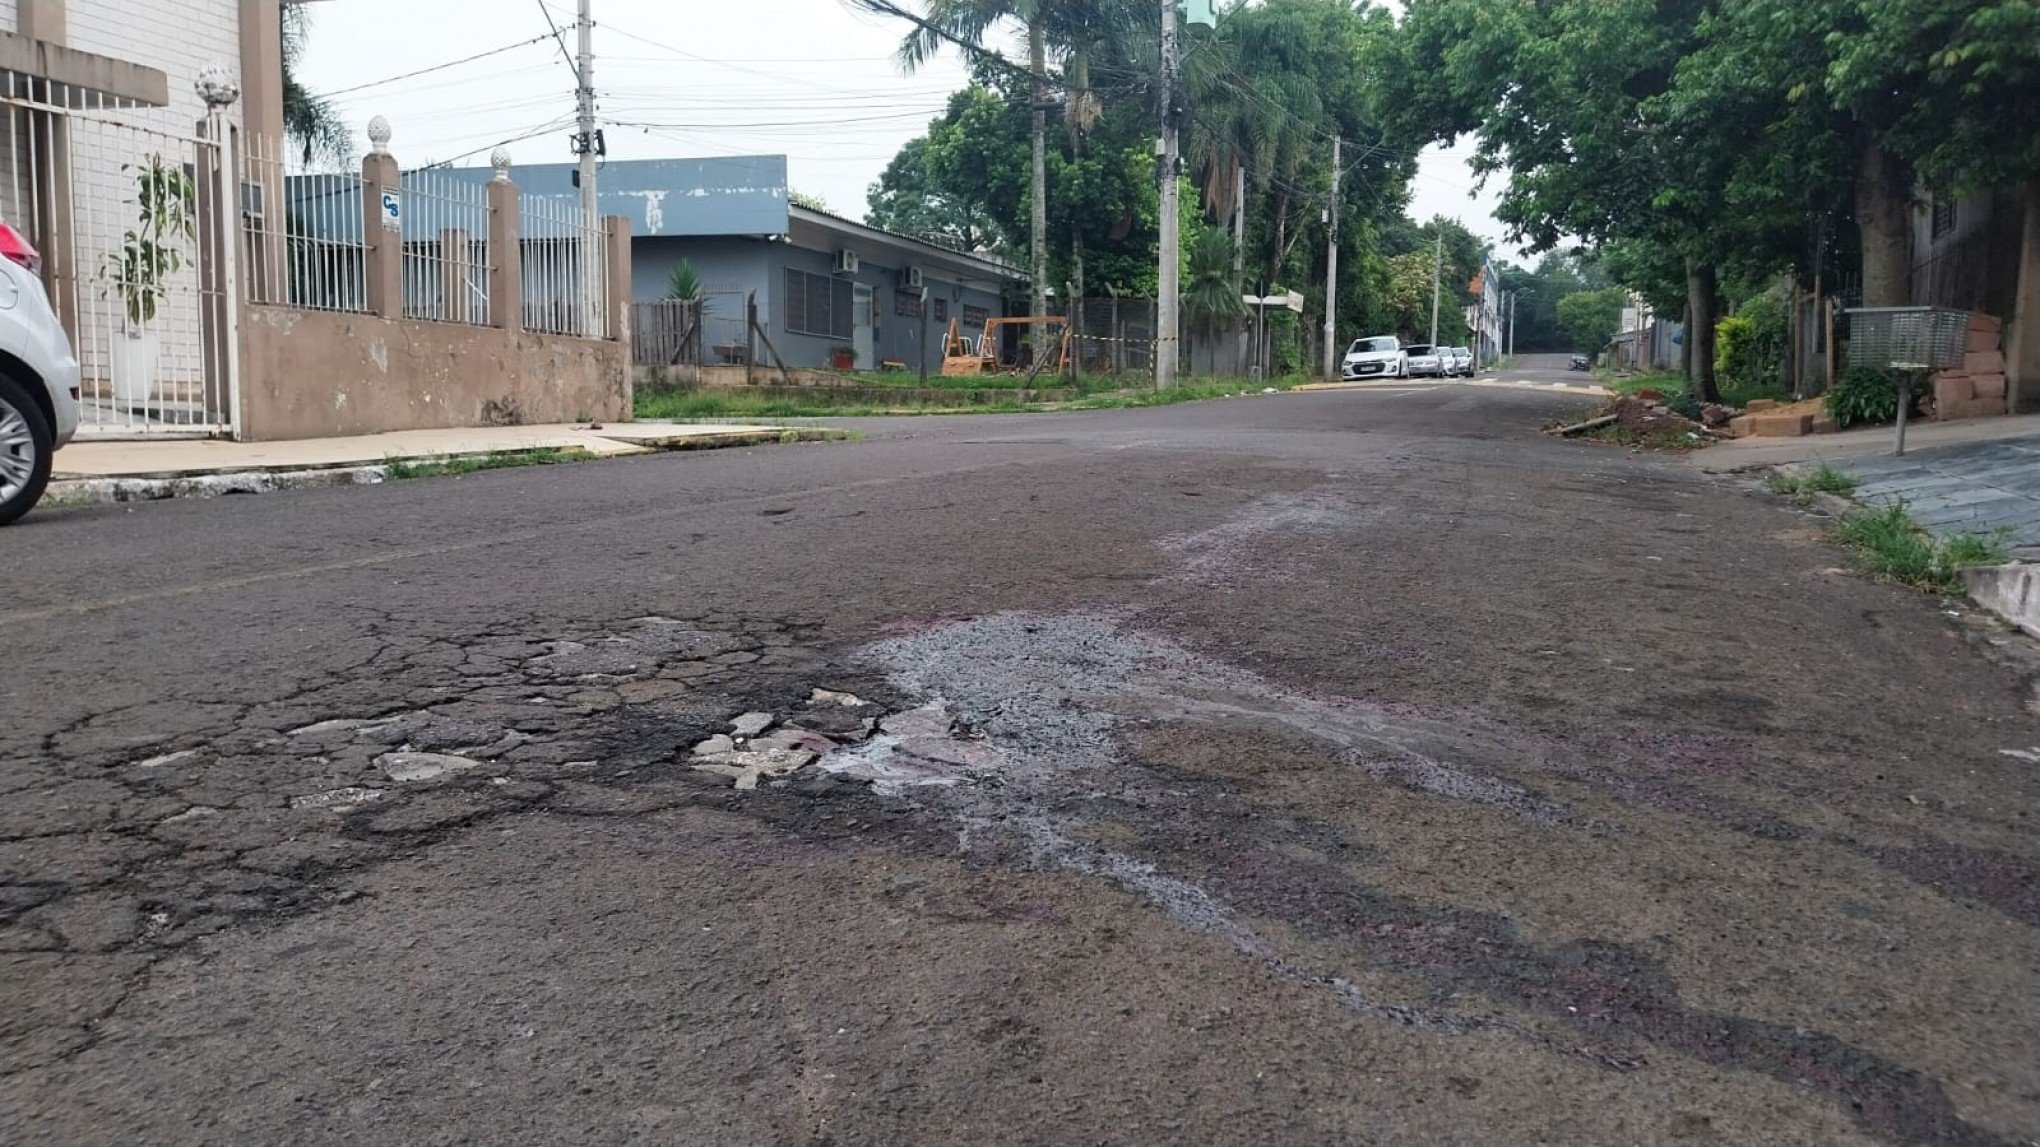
pixel 812 79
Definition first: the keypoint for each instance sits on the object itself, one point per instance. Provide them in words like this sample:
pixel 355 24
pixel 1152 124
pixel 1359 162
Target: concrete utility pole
pixel 1167 298
pixel 1332 271
pixel 1437 269
pixel 584 143
pixel 1512 323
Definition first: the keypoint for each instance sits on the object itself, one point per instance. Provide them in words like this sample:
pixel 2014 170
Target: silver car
pixel 1462 362
pixel 38 378
pixel 1425 361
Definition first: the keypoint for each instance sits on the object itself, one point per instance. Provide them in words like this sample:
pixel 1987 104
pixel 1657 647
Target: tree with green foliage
pixel 1592 319
pixel 908 200
pixel 309 120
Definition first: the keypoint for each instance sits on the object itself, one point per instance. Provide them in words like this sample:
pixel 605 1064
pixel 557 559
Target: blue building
pixel 825 287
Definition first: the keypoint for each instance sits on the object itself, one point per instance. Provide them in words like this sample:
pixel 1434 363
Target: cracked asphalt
pixel 1343 767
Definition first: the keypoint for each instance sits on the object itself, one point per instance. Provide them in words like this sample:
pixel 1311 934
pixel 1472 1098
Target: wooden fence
pixel 666 332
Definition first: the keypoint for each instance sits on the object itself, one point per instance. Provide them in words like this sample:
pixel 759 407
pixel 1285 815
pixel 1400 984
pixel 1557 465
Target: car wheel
pixel 26 446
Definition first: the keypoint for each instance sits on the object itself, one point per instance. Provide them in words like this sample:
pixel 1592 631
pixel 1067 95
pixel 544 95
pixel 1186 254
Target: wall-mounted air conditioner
pixel 846 262
pixel 910 279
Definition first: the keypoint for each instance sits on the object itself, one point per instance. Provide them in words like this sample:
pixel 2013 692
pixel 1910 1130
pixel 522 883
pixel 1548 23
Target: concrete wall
pixel 314 374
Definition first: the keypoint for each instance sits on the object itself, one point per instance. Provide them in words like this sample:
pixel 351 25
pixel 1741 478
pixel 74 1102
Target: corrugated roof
pixel 723 195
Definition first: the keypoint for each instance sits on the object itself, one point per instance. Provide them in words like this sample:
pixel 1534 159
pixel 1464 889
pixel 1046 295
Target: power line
pixel 435 67
pixel 561 41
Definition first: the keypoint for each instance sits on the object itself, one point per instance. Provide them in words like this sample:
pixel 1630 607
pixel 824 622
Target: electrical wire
pixel 435 68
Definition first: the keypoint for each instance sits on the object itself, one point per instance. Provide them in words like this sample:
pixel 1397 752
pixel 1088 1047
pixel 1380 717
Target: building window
pixel 974 318
pixel 818 305
pixel 941 310
pixel 1944 217
pixel 907 304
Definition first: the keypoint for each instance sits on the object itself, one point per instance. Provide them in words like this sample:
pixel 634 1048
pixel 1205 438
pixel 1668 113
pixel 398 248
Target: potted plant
pixel 139 271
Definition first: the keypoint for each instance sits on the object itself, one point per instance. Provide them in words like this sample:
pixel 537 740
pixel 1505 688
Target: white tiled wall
pixel 176 37
pixel 7 16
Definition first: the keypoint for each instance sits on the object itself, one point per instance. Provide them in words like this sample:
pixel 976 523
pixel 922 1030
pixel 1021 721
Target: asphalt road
pixel 1347 767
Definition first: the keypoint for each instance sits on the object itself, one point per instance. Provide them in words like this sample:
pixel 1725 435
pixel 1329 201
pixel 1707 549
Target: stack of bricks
pixel 1978 389
pixel 1762 419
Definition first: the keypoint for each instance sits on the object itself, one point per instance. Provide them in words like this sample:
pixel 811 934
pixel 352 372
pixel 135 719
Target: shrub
pixel 1750 345
pixel 1865 395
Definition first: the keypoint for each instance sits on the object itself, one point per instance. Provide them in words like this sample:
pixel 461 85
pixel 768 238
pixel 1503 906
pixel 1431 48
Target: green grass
pixel 1671 384
pixel 1803 485
pixel 1890 546
pixel 399 469
pixel 686 404
pixel 1094 393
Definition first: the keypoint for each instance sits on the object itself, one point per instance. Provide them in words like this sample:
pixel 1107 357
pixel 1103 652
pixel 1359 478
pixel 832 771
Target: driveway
pixel 1346 767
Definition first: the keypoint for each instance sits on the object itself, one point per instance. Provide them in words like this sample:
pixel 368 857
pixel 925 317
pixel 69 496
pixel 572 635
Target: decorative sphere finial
pixel 500 160
pixel 379 136
pixel 216 86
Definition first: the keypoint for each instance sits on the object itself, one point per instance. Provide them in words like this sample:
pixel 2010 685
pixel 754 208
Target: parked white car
pixel 1462 361
pixel 1377 357
pixel 38 378
pixel 1425 361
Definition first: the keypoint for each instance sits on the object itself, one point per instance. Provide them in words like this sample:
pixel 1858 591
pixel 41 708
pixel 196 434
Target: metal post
pixel 1904 384
pixel 1167 300
pixel 1437 270
pixel 1331 355
pixel 227 217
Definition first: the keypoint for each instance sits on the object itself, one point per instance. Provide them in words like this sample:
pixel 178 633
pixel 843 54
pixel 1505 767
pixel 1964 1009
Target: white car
pixel 1425 360
pixel 38 378
pixel 1462 362
pixel 1377 357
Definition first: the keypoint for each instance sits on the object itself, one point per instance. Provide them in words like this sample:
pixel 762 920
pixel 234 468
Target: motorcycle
pixel 1579 362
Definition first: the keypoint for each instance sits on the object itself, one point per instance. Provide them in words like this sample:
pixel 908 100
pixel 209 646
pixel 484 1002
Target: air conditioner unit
pixel 846 262
pixel 910 279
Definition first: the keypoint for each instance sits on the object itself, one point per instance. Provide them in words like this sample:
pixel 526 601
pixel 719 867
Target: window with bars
pixel 818 305
pixel 1944 216
pixel 941 310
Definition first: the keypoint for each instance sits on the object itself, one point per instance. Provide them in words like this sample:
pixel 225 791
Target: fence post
pixel 453 273
pixel 616 289
pixel 506 251
pixel 382 223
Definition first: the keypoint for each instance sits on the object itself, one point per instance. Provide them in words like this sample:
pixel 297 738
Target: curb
pixel 267 480
pixel 105 491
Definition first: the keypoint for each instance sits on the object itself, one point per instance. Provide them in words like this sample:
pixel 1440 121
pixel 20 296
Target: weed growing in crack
pixel 1890 546
pixel 1803 485
pixel 398 469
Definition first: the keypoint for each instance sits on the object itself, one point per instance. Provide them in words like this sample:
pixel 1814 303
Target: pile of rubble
pixel 1645 419
pixel 839 739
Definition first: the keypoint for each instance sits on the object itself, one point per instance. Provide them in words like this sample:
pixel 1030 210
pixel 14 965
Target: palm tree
pixel 309 121
pixel 965 22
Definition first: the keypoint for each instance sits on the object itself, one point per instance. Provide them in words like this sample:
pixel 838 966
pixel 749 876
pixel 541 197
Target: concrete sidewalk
pixel 188 457
pixel 1869 442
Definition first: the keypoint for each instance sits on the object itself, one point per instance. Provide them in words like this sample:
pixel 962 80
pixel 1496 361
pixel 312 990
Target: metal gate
pixel 128 221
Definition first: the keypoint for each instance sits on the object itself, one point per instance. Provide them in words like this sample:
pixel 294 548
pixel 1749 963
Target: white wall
pixel 9 20
pixel 176 37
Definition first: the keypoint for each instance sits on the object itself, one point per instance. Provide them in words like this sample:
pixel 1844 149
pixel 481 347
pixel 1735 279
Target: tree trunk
pixel 1700 291
pixel 1075 309
pixel 1037 64
pixel 1274 262
pixel 1883 203
pixel 1686 342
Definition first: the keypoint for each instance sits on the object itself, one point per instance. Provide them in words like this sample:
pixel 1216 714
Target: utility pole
pixel 1332 270
pixel 584 143
pixel 1437 270
pixel 1512 323
pixel 1171 274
